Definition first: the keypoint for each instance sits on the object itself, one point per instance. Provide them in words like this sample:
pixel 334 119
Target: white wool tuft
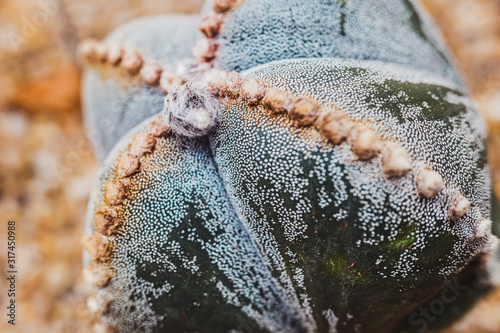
pixel 191 110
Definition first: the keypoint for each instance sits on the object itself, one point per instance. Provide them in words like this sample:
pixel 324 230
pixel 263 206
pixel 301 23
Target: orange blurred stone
pixel 58 92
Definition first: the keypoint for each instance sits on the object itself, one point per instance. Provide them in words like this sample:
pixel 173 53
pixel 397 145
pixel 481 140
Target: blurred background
pixel 47 167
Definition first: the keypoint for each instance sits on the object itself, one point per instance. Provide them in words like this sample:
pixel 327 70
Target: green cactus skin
pixel 112 105
pixel 324 211
pixel 264 225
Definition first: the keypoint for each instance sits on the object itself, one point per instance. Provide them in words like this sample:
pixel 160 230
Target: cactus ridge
pixel 206 49
pixel 149 71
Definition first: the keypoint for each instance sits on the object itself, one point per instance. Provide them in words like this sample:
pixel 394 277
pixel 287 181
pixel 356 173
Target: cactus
pixel 326 173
